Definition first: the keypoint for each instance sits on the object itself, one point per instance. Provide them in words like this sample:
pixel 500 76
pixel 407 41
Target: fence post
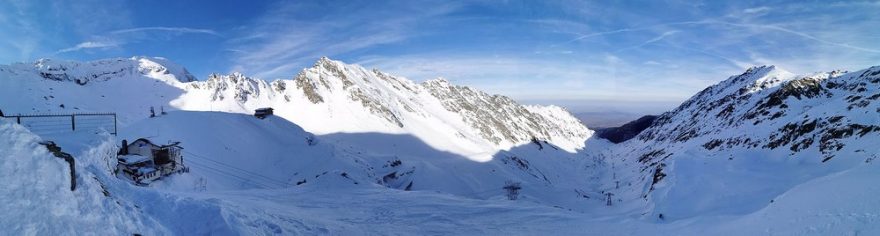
pixel 114 124
pixel 18 119
pixel 73 122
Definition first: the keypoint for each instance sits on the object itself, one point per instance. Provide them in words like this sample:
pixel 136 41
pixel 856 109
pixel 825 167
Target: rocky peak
pixel 768 108
pixel 494 118
pixel 236 85
pixel 500 119
pixel 438 82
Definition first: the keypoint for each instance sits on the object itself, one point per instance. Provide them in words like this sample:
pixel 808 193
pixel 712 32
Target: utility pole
pixel 613 171
pixel 608 202
pixel 512 189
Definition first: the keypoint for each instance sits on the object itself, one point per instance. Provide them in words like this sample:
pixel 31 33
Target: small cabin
pixel 143 162
pixel 263 112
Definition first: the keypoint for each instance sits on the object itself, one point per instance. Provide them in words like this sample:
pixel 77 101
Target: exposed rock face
pixel 499 118
pixel 764 113
pixel 241 87
pixel 778 109
pixel 401 104
pixel 332 97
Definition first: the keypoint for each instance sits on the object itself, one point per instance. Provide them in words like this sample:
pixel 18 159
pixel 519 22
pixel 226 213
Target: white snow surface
pixel 737 145
pixel 355 151
pixel 330 97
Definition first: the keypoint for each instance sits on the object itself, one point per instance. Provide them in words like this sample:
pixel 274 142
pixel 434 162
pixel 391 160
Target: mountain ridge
pixel 353 98
pixel 805 126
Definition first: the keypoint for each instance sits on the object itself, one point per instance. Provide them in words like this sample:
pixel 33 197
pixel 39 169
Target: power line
pixel 222 172
pixel 235 174
pixel 238 170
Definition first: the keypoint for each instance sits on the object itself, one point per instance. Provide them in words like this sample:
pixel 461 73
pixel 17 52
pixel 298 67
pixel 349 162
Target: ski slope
pixel 839 204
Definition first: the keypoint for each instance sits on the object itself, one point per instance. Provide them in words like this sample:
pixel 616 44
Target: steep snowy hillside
pixel 736 145
pixel 333 97
pixel 371 127
pixel 235 152
pixel 330 97
pixel 128 87
pixel 38 200
pixel 741 157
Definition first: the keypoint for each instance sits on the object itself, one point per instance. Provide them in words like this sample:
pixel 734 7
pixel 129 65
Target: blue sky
pixel 654 53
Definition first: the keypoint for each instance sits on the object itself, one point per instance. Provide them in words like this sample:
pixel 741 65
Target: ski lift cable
pixel 224 173
pixel 236 169
pixel 238 174
pixel 232 167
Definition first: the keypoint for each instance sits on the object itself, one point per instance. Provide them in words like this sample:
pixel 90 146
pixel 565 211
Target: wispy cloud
pixel 634 29
pixel 802 35
pixel 118 38
pixel 88 45
pixel 757 10
pixel 652 40
pixel 282 41
pixel 166 29
pixel 721 22
pixel 532 49
pixel 36 28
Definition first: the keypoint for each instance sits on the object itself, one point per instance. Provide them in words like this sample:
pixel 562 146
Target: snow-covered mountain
pixel 383 129
pixel 764 126
pixel 329 97
pixel 355 151
pixel 127 86
pixel 333 97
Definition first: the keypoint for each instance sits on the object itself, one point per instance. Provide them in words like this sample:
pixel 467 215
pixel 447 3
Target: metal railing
pixel 61 123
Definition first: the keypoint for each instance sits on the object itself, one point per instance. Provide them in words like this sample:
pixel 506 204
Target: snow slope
pixel 43 205
pixel 357 151
pixel 238 152
pixel 128 87
pixel 37 197
pixel 333 97
pixel 736 145
pixel 330 97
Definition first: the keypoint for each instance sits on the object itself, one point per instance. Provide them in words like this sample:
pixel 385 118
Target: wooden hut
pixel 262 113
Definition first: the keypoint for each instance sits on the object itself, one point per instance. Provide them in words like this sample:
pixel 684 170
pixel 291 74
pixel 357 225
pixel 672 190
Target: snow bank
pixel 37 197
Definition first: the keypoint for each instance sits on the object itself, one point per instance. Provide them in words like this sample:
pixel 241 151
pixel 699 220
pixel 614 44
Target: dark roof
pixel 265 109
pixel 173 144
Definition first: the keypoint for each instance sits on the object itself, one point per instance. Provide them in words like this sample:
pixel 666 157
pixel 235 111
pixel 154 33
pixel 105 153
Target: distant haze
pixel 603 113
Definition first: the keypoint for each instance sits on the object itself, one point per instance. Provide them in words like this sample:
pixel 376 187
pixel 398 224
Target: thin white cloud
pixel 757 10
pixel 635 29
pixel 652 63
pixel 117 38
pixel 720 22
pixel 652 40
pixel 281 41
pixel 166 29
pixel 87 45
pixel 802 35
pixel 733 62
